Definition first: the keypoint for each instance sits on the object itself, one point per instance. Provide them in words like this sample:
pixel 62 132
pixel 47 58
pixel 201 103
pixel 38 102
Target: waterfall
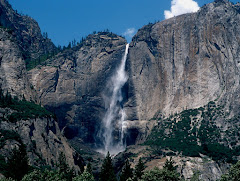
pixel 114 118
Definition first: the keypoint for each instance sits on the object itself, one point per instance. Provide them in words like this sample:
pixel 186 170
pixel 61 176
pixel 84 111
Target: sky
pixel 65 20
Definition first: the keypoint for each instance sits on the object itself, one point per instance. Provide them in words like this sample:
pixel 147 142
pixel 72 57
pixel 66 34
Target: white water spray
pixel 114 118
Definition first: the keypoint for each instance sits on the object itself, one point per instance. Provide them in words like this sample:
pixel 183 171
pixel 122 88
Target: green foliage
pixel 233 174
pixel 42 59
pixel 45 175
pixel 5 168
pixel 17 163
pixel 24 109
pixel 52 175
pixel 32 63
pixel 168 173
pixel 35 175
pixel 85 176
pixel 169 165
pixel 89 168
pixel 8 135
pixel 160 175
pixel 7 179
pixel 3 164
pixel 57 175
pixel 182 133
pixel 218 152
pixel 5 100
pixel 139 170
pixel 182 138
pixel 107 171
pixel 64 168
pixel 6 29
pixel 195 176
pixel 127 171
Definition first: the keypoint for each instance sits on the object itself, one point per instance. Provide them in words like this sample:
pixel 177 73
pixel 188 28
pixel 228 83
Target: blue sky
pixel 65 20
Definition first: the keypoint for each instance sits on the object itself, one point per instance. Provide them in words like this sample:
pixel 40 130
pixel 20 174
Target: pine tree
pixel 85 176
pixel 8 99
pixel 69 45
pixel 17 164
pixel 107 171
pixel 139 170
pixel 89 168
pixel 169 165
pixel 233 174
pixel 160 175
pixel 127 171
pixel 2 165
pixel 64 169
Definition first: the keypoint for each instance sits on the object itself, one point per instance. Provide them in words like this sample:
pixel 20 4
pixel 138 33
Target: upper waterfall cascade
pixel 114 118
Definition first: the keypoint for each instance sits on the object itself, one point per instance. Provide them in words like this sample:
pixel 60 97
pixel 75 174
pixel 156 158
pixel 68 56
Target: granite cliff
pixel 13 74
pixel 184 78
pixel 27 33
pixel 42 137
pixel 183 88
pixel 72 83
pixel 20 35
pixel 185 62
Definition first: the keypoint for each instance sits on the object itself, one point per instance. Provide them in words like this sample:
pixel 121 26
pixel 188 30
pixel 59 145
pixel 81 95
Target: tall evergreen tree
pixel 169 173
pixel 89 168
pixel 127 171
pixel 17 163
pixel 160 175
pixel 107 170
pixel 2 165
pixel 169 165
pixel 64 168
pixel 85 176
pixel 139 170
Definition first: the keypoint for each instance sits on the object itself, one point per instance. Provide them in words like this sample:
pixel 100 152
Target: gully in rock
pixel 114 118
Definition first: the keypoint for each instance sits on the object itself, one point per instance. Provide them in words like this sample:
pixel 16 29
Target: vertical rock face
pixel 27 32
pixel 73 82
pixel 13 74
pixel 177 64
pixel 185 62
pixel 20 38
pixel 43 139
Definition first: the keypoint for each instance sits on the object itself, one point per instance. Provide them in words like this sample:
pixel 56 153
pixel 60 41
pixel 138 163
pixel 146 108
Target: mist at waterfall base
pixel 113 127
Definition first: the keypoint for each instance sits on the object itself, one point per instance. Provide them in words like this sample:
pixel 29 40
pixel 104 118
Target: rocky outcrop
pixel 43 139
pixel 190 168
pixel 174 65
pixel 185 62
pixel 72 83
pixel 13 74
pixel 20 35
pixel 26 31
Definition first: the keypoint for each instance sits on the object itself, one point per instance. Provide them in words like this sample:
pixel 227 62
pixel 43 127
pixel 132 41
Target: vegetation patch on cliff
pixel 8 135
pixel 22 109
pixel 193 132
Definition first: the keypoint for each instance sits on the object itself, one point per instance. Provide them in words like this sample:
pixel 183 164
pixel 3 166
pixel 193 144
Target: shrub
pixel 160 175
pixel 17 163
pixel 233 174
pixel 85 176
pixel 183 136
pixel 8 135
pixel 23 109
pixel 45 175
